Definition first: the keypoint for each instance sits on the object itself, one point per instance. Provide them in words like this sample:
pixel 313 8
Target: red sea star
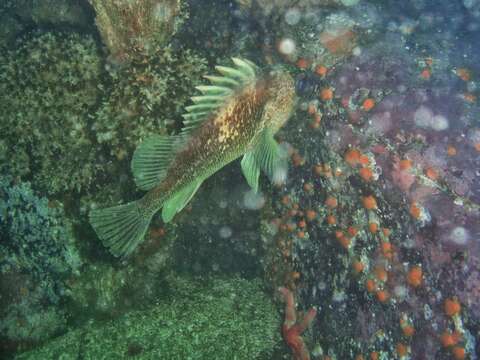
pixel 291 330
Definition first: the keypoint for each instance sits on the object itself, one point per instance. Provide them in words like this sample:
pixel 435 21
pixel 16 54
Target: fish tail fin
pixel 121 228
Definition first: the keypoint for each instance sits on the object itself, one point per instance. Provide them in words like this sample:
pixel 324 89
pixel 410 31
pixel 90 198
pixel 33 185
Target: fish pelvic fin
pixel 121 228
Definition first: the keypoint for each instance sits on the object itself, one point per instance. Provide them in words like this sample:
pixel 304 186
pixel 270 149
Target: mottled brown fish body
pixel 236 115
pixel 224 137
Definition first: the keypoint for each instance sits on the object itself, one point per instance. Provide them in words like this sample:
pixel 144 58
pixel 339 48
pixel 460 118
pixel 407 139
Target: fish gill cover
pixel 367 245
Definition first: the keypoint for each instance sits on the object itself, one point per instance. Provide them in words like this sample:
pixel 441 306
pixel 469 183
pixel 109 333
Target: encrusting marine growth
pixel 292 330
pixel 237 114
pixel 136 28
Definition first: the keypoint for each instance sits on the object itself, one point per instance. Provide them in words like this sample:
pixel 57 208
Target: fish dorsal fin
pixel 215 95
pixel 266 155
pixel 152 158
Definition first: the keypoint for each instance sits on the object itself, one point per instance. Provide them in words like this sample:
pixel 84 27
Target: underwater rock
pixel 280 6
pixel 48 87
pixel 196 318
pixel 137 28
pixel 30 322
pixel 10 29
pixel 310 33
pixel 38 255
pixel 375 222
pixel 145 99
pixel 49 12
pixel 105 291
pixel 218 233
pixel 53 118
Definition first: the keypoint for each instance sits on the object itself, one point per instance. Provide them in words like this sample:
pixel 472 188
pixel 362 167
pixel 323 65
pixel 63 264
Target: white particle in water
pixel 439 123
pixel 225 232
pixel 286 46
pixel 423 117
pixel 459 235
pixel 292 16
pixel 253 201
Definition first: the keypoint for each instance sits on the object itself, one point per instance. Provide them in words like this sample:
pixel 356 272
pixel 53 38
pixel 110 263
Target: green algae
pixel 197 319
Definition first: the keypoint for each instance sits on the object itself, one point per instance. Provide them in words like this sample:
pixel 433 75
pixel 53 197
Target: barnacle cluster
pixel 146 98
pixel 48 87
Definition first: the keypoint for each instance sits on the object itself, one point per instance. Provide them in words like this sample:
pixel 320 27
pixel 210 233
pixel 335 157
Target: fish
pixel 236 114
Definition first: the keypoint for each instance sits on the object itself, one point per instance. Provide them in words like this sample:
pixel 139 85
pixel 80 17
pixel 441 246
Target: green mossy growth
pixel 197 319
pixel 65 121
pixel 48 85
pixel 146 98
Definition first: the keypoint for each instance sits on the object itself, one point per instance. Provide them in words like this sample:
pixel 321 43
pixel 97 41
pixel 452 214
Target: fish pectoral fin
pixel 271 157
pixel 179 200
pixel 152 158
pixel 251 169
pixel 268 156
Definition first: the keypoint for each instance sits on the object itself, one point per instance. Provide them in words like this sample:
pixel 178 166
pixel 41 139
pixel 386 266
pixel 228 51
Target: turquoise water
pixel 362 241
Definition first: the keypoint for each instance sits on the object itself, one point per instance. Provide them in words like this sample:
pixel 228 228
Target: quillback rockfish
pixel 237 114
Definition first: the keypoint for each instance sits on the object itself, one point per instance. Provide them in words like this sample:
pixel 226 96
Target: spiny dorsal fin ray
pixel 201 107
pixel 245 66
pixel 214 96
pixel 232 73
pixel 214 90
pixel 222 80
pixel 207 98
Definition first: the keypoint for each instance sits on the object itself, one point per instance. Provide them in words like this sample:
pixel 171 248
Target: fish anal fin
pixel 179 200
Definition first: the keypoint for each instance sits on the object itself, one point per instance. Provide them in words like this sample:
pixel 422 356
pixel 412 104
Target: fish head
pixel 281 98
